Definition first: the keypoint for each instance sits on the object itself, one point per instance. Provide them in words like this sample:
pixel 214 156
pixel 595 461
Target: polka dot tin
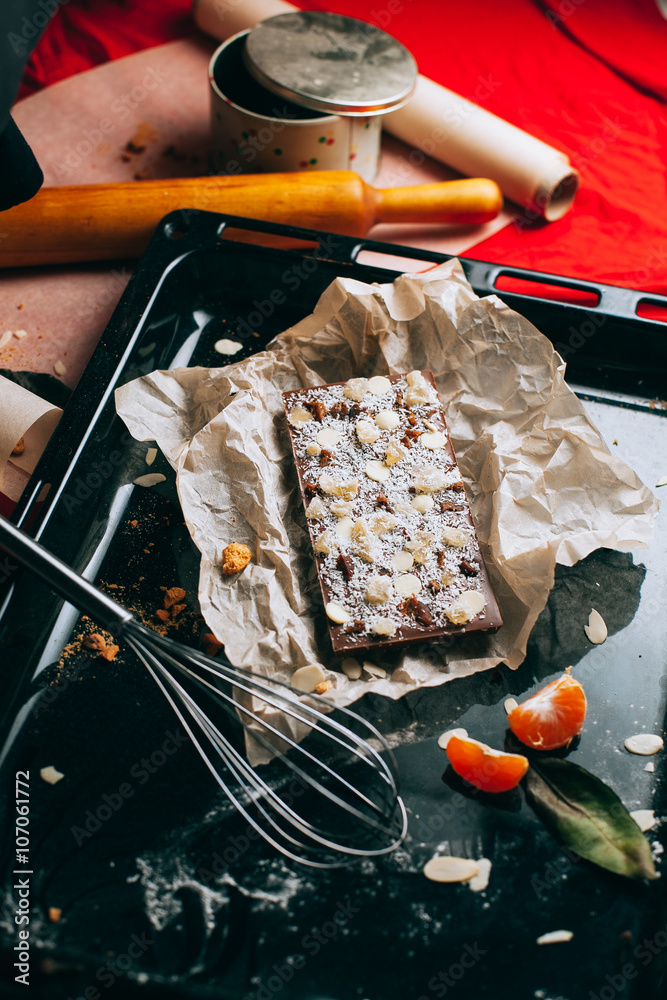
pixel 305 91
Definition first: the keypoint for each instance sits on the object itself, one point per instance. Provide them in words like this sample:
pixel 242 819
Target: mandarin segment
pixel 487 769
pixel 551 718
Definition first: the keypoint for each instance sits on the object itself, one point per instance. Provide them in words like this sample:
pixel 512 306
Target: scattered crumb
pixel 644 818
pixel 51 775
pixel 55 913
pixel 480 881
pixel 323 687
pixel 20 334
pixel 176 609
pixel 212 645
pixel 19 447
pixel 151 455
pixel 173 596
pixel 150 479
pixel 162 615
pixel 555 937
pixel 97 643
pixel 615 441
pixel 448 869
pixel 235 557
pixel 596 630
pixel 644 744
pixel 21 306
pixel 134 524
pixel 650 767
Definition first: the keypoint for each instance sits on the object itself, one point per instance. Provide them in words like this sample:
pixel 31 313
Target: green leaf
pixel 588 817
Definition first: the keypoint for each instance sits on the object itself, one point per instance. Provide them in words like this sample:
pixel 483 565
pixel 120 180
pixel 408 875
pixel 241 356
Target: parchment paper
pixel 22 415
pixel 543 485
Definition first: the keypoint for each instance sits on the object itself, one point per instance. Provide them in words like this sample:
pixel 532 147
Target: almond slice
pixel 479 882
pixel 377 672
pixel 328 437
pixel 423 503
pixel 337 613
pixel 387 420
pixel 408 585
pixel 644 818
pixel 444 738
pixel 402 560
pixel 151 455
pixel 433 440
pixel 377 471
pixel 299 415
pixel 378 385
pixel 351 668
pixel 51 775
pixel 644 744
pixel 150 479
pixel 596 630
pixel 226 346
pixel 510 704
pixel 448 869
pixel 344 527
pixel 555 937
pixel 307 678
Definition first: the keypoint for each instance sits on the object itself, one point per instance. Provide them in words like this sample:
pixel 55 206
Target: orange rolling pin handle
pixel 62 225
pixel 464 202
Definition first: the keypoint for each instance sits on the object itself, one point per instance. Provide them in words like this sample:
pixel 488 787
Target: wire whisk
pixel 346 787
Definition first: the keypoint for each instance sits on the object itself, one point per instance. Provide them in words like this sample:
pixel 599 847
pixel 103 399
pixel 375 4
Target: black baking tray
pixel 160 893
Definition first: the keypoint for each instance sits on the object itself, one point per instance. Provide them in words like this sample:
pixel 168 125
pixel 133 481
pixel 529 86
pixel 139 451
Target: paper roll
pixel 443 125
pixel 22 416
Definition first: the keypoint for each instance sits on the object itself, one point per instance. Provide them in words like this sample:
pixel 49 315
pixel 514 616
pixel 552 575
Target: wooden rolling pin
pixel 107 221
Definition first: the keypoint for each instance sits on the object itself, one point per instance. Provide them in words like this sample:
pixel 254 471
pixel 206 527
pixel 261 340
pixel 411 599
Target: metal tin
pixel 285 126
pixel 331 63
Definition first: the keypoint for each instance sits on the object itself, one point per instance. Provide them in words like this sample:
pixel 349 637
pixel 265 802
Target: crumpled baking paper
pixel 543 485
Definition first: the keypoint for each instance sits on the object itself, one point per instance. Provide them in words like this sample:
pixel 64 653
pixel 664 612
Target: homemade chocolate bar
pixel 394 541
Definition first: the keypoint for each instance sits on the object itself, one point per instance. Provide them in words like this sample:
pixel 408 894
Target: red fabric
pixel 587 77
pixel 85 33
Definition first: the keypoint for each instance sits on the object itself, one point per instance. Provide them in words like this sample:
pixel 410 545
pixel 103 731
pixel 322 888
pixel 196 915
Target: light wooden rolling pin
pixel 107 221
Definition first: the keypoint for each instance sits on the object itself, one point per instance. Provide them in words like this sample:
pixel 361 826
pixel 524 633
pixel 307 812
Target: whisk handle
pixel 63 579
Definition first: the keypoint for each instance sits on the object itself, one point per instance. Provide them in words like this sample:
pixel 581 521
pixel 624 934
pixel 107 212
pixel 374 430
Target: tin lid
pixel 331 63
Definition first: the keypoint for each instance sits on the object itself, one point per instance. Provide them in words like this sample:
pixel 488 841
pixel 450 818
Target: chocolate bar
pixel 396 549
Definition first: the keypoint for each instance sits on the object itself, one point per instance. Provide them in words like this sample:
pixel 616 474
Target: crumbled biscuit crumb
pixel 173 596
pixel 235 557
pixel 212 645
pixel 19 447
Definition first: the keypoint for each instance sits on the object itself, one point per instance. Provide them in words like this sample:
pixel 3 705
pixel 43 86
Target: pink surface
pixel 157 101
